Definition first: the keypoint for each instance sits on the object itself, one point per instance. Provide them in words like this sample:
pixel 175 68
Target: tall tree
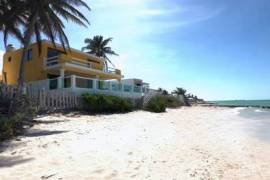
pixel 163 91
pixel 98 46
pixel 11 18
pixel 180 91
pixel 37 18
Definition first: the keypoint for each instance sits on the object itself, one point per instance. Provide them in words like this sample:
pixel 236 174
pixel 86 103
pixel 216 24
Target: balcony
pixel 66 62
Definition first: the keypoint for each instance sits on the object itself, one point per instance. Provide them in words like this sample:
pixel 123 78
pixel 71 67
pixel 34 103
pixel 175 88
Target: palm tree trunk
pixel 21 78
pixel 106 66
pixel 26 43
pixel 22 70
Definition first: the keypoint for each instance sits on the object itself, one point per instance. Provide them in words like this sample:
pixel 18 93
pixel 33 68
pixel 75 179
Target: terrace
pixel 61 63
pixel 80 85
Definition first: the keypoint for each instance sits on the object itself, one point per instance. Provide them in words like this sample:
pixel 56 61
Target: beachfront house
pixel 80 72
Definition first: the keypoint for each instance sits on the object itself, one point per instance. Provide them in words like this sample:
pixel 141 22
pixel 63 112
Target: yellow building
pixel 73 70
pixel 54 62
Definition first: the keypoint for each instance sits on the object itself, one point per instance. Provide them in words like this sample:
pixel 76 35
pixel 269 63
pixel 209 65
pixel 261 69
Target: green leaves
pixel 180 91
pixel 26 19
pixel 157 104
pixel 97 103
pixel 98 46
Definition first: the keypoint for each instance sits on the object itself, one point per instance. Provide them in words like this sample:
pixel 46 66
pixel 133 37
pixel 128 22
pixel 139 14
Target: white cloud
pixel 1 60
pixel 131 23
pixel 147 17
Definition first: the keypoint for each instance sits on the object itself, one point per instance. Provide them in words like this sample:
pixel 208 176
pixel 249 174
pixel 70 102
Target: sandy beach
pixel 187 143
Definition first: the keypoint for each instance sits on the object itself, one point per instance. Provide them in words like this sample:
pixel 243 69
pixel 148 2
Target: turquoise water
pixel 244 103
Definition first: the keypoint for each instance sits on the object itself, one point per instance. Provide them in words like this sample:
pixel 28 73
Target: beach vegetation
pixel 163 92
pixel 181 93
pixel 173 102
pixel 18 119
pixel 98 103
pixel 156 104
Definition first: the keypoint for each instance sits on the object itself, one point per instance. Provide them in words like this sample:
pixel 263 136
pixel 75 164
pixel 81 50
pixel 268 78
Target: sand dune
pixel 188 143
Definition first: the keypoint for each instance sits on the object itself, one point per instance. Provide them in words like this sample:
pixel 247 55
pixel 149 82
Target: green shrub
pixel 10 127
pixel 157 104
pixel 173 102
pixel 21 115
pixel 97 103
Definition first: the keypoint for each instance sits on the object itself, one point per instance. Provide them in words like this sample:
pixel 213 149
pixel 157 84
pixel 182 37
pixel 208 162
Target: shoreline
pixel 233 106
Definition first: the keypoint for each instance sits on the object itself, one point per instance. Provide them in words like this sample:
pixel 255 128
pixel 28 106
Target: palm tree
pixel 37 18
pixel 180 91
pixel 11 19
pixel 164 92
pixel 44 17
pixel 98 46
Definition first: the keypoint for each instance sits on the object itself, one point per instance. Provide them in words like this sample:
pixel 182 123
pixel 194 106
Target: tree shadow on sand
pixel 13 161
pixel 59 113
pixel 50 121
pixel 38 133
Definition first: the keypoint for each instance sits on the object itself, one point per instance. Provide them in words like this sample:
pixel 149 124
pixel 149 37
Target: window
pixel 52 52
pixel 116 87
pixel 127 88
pixel 29 55
pixel 84 83
pixel 103 85
pixel 9 59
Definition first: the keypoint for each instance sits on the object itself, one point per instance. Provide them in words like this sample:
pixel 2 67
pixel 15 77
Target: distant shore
pixel 230 104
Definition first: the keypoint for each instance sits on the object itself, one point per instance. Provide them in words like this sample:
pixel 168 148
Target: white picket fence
pixel 60 99
pixel 56 99
pixel 8 91
pixel 45 99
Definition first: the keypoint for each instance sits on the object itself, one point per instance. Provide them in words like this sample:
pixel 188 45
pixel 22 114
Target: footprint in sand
pixel 112 175
pixel 98 171
pixel 133 176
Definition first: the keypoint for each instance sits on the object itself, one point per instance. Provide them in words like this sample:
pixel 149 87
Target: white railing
pixel 80 85
pixel 81 64
pixel 54 61
pixel 110 70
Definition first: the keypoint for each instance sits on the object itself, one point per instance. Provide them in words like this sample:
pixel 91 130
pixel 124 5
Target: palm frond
pixel 98 46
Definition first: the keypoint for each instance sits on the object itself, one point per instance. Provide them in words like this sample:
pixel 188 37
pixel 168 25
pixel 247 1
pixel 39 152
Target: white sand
pixel 188 143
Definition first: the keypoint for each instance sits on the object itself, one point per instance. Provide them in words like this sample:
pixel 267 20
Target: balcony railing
pixel 56 60
pixel 82 85
pixel 52 61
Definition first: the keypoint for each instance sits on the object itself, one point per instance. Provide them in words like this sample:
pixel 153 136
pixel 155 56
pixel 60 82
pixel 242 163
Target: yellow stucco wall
pixel 34 69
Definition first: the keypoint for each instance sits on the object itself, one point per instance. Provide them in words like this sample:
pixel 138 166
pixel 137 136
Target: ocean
pixel 244 103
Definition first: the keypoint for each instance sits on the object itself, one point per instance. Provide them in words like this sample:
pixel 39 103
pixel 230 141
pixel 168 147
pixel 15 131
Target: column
pixel 61 79
pixel 73 82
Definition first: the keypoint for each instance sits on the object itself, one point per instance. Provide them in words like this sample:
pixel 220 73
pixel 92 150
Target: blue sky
pixel 215 49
